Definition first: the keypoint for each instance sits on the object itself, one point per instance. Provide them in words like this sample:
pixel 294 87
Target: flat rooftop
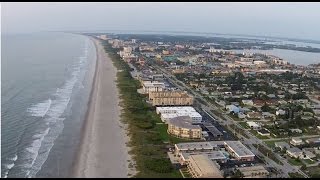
pixel 183 122
pixel 239 149
pixel 173 115
pixel 213 130
pixel 205 166
pixel 213 155
pixel 176 108
pixel 194 146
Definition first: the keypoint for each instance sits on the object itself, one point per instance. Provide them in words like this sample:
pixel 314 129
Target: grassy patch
pixel 295 162
pixel 271 143
pixel 308 161
pixel 244 125
pixel 254 132
pixel 295 175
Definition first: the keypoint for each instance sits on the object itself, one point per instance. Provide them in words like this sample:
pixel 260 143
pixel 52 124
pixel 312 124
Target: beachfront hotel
pixel 168 113
pixel 182 127
pixel 170 98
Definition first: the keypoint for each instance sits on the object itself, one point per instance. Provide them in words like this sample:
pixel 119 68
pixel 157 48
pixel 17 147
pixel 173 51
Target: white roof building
pixel 253 125
pixel 168 113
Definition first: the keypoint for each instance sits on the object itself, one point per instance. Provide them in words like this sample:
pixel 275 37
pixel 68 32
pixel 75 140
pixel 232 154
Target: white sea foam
pixel 44 141
pixel 9 165
pixel 40 109
pixel 14 158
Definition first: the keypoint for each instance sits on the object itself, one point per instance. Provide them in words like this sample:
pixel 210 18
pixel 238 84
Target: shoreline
pixel 103 146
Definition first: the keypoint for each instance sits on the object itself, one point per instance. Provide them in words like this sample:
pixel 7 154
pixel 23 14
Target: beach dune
pixel 103 151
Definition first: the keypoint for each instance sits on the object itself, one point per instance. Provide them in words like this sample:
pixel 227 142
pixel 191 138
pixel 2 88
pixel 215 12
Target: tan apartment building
pixel 170 98
pixel 200 166
pixel 182 127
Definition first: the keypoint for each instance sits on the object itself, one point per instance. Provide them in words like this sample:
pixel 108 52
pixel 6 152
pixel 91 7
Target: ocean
pixel 46 83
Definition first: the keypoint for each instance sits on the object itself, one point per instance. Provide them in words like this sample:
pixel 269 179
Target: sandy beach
pixel 103 151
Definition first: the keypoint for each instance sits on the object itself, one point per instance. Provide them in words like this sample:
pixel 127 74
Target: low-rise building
pixel 153 86
pixel 232 108
pixel 174 109
pixel 188 147
pixel 182 127
pixel 294 152
pixel 296 141
pixel 253 125
pixel 169 98
pixel 307 154
pixel 282 145
pixel 254 115
pixel 296 130
pixel 241 115
pixel 200 166
pixel 195 116
pixel 253 172
pixel 313 141
pixel 239 151
pixel 212 130
pixel 280 112
pixel 212 155
pixel 247 102
pixel 264 132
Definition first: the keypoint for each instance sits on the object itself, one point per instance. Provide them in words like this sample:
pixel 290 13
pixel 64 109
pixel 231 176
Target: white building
pixel 239 151
pixel 282 145
pixel 253 125
pixel 294 152
pixel 195 116
pixel 296 141
pixel 280 112
pixel 172 112
pixel 247 102
pixel 104 37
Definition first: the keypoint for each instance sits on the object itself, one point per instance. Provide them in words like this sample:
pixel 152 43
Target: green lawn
pixel 295 162
pixel 254 132
pixel 271 143
pixel 295 175
pixel 244 125
pixel 308 161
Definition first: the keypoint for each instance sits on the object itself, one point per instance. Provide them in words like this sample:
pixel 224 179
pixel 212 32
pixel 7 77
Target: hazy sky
pixel 299 20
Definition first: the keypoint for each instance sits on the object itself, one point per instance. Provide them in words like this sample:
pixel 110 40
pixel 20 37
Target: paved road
pixel 285 168
pixel 304 136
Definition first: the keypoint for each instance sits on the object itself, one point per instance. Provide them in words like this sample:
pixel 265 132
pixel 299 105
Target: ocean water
pixel 46 82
